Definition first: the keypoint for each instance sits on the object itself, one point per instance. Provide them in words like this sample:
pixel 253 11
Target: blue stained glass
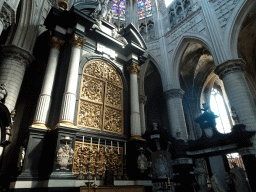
pixel 118 7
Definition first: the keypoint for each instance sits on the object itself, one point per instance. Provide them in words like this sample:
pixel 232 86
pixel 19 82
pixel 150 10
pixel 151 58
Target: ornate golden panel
pixel 114 96
pixel 113 120
pixel 102 70
pixel 101 98
pixel 92 89
pixel 110 160
pixel 90 114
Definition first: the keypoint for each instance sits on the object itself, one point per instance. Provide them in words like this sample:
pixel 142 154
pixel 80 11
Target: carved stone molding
pixel 174 93
pixel 16 53
pixel 77 41
pixel 143 99
pixel 230 66
pixel 5 17
pixel 133 68
pixel 56 43
pixel 181 161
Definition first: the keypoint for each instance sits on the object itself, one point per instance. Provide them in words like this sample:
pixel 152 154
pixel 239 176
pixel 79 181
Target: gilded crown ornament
pixel 77 41
pixel 63 4
pixel 56 43
pixel 133 68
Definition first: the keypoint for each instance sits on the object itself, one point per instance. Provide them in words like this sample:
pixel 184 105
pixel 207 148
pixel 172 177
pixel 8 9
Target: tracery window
pixel 218 107
pixel 101 98
pixel 144 8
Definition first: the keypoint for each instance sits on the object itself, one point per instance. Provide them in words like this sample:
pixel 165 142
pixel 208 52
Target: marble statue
pixel 200 175
pixel 3 93
pixel 216 184
pixel 142 163
pixel 238 176
pixel 101 12
pixel 21 158
pixel 65 156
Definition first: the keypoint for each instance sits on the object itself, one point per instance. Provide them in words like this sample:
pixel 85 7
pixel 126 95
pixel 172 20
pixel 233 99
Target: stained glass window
pixel 144 8
pixel 118 7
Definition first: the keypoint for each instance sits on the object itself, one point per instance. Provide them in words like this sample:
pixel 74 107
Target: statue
pixel 142 163
pixel 200 175
pixel 100 13
pixel 65 156
pixel 21 158
pixel 216 184
pixel 239 178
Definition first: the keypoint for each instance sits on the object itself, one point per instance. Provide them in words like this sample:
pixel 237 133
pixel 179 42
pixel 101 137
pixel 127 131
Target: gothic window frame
pixel 99 100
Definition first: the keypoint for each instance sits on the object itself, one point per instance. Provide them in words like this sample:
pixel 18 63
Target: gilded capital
pixel 56 43
pixel 174 93
pixel 229 66
pixel 133 68
pixel 77 41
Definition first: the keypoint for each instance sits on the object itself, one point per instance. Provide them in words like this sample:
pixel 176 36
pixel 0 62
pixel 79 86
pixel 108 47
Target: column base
pixel 64 123
pixel 63 175
pixel 136 137
pixel 39 125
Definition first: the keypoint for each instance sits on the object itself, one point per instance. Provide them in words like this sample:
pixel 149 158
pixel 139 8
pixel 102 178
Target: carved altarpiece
pixel 101 98
pixel 107 160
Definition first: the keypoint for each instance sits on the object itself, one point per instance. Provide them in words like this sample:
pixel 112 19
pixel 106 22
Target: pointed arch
pixel 181 47
pixel 233 28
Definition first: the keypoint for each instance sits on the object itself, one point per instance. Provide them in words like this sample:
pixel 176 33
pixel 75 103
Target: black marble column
pixel 61 134
pixel 183 174
pixel 250 167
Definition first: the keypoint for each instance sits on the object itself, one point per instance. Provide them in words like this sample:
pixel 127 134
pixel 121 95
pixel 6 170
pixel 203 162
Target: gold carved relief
pixel 106 160
pixel 90 114
pixel 101 98
pixel 113 120
pixel 114 96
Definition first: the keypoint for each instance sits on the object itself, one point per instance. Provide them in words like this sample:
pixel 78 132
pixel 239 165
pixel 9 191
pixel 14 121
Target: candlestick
pixel 105 146
pixel 83 144
pixel 124 148
pixel 91 145
pixel 111 147
pixel 99 145
pixel 118 147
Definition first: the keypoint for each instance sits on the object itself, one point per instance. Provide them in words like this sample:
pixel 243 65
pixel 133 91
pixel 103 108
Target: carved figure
pixel 65 156
pixel 238 176
pixel 216 184
pixel 200 175
pixel 142 163
pixel 21 158
pixel 109 16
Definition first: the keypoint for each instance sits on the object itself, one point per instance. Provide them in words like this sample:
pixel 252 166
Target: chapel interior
pixel 128 95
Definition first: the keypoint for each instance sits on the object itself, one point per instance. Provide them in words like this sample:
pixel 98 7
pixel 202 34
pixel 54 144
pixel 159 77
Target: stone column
pixel 135 110
pixel 12 70
pixel 69 97
pixel 176 113
pixel 143 100
pixel 240 98
pixel 44 100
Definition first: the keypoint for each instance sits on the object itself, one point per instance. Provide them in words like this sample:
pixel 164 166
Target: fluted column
pixel 44 100
pixel 135 110
pixel 69 97
pixel 12 69
pixel 232 74
pixel 143 100
pixel 176 113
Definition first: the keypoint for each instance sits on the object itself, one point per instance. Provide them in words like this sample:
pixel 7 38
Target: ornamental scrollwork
pixel 65 156
pixel 101 98
pixel 92 89
pixel 113 120
pixel 102 70
pixel 90 114
pixel 114 96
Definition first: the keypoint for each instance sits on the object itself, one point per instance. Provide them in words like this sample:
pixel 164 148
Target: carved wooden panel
pixel 101 98
pixel 106 160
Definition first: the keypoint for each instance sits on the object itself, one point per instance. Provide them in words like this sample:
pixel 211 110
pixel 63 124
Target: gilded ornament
pixel 92 89
pixel 133 68
pixel 56 43
pixel 113 120
pixel 77 41
pixel 86 157
pixel 65 156
pixel 114 96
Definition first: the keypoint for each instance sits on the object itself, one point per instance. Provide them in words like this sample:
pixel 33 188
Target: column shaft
pixel 69 97
pixel 237 89
pixel 1 27
pixel 135 110
pixel 12 70
pixel 142 114
pixel 176 113
pixel 44 101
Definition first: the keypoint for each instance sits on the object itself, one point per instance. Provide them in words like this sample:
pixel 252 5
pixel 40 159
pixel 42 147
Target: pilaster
pixel 14 63
pixel 176 113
